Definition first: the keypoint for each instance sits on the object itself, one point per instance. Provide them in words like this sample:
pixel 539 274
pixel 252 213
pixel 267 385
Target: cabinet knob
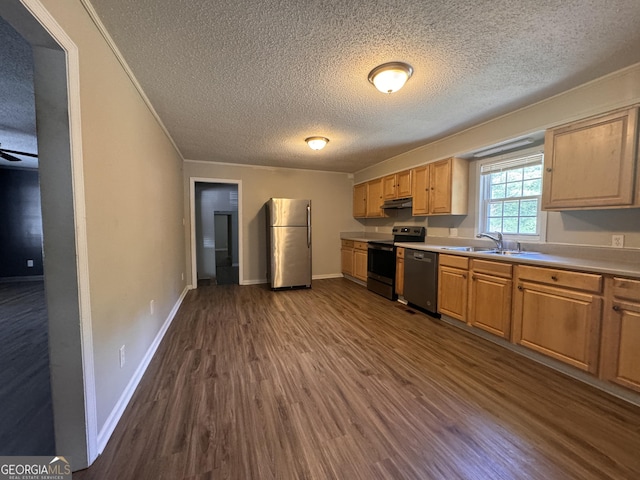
pixel 464 276
pixel 519 287
pixel 554 278
pixel 549 169
pixel 473 277
pixel 616 308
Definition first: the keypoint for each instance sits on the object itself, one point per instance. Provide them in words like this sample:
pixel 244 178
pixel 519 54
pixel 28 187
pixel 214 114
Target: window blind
pixel 504 165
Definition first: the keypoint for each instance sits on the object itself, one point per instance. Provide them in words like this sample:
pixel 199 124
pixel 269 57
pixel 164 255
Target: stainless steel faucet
pixel 495 236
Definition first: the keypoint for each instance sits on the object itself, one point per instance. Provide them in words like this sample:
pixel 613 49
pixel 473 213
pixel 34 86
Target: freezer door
pixel 288 212
pixel 290 257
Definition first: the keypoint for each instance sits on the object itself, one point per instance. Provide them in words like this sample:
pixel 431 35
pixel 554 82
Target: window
pixel 510 191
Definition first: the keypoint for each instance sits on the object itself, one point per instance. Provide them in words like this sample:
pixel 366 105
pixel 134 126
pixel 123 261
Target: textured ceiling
pixel 247 81
pixel 17 109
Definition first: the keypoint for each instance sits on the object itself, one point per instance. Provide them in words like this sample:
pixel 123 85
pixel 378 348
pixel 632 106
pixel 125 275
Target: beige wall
pixel 619 89
pixel 133 192
pixel 330 194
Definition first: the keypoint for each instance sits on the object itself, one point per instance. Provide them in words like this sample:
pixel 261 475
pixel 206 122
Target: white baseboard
pixel 314 277
pixel 327 275
pixel 109 426
pixel 254 282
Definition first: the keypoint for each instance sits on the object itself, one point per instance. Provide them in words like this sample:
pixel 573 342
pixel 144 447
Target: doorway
pixel 56 94
pixel 217 233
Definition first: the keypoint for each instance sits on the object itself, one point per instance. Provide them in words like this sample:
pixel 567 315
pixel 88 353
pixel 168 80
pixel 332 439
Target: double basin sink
pixel 492 251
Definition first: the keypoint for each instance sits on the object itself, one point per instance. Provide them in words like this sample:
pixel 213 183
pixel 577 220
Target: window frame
pixel 483 201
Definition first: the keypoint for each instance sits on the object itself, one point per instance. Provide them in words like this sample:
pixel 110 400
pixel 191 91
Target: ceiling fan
pixel 6 155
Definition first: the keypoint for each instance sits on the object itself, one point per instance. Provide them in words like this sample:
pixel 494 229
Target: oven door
pixel 381 269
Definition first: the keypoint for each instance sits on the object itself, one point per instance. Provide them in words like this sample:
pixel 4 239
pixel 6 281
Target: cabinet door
pixel 389 187
pixel 490 304
pixel 360 200
pixel 400 271
pixel 452 292
pixel 347 261
pixel 360 264
pixel 440 187
pixel 620 362
pixel 591 163
pixel 403 184
pixel 561 323
pixel 374 198
pixel 420 189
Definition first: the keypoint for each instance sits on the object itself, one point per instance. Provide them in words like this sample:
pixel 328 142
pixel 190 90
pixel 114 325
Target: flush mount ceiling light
pixel 316 143
pixel 390 77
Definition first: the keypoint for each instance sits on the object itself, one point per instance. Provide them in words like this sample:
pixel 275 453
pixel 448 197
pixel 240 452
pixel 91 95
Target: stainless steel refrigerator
pixel 288 242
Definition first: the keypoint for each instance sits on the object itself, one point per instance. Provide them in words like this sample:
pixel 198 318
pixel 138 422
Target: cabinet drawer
pixel 360 245
pixel 626 288
pixel 400 252
pixel 499 269
pixel 347 243
pixel 580 281
pixel 455 261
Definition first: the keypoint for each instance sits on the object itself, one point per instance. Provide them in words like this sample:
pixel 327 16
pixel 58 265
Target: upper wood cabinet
pixel 368 199
pixel 420 189
pixel 397 185
pixel 592 163
pixel 375 198
pixel 360 200
pixel 441 188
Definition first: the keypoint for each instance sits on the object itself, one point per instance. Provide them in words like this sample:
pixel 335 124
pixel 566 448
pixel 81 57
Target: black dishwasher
pixel 421 279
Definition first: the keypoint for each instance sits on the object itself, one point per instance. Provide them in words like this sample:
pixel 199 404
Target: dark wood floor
pixel 26 415
pixel 338 383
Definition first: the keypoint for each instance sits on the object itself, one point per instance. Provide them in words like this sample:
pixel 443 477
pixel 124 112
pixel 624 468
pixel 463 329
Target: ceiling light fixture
pixel 503 147
pixel 390 77
pixel 316 143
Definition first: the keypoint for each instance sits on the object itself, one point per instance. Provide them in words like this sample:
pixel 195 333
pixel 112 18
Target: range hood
pixel 397 203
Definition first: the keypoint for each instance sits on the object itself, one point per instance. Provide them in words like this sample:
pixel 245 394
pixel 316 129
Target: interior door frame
pixel 192 216
pixel 72 374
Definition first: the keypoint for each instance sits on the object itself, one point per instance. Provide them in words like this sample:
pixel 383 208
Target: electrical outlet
pixel 617 241
pixel 152 305
pixel 122 359
pixel 29 263
pixel 453 232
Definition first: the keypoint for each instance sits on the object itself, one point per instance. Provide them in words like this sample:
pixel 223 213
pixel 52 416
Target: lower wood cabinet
pixel 360 260
pixel 400 271
pixel 558 313
pixel 346 253
pixel 354 259
pixel 453 285
pixel 620 348
pixel 490 297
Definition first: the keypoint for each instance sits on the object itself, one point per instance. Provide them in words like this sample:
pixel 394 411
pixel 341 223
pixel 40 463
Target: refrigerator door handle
pixel 308 225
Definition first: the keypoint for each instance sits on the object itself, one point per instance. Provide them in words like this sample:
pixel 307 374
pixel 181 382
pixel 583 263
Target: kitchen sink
pixel 471 249
pixel 509 252
pixel 491 251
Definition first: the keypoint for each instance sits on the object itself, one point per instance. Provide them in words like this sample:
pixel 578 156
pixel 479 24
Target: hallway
pixel 26 416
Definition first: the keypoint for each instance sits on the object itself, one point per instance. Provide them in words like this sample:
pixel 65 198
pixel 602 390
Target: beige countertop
pixel 629 267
